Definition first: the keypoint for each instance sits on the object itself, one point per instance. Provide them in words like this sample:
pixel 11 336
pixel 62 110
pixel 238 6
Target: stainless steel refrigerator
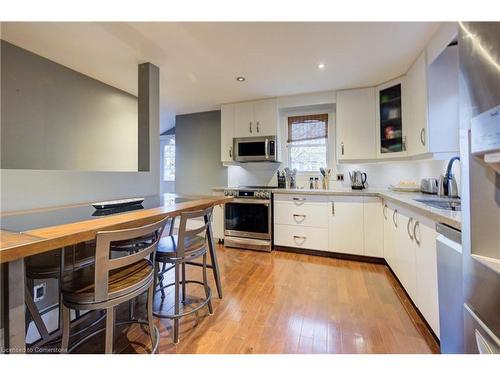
pixel 479 85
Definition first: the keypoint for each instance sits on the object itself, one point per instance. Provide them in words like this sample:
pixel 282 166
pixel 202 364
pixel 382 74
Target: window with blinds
pixel 308 142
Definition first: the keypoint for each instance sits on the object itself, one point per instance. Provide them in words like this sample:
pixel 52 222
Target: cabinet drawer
pixel 301 237
pixel 307 214
pixel 300 199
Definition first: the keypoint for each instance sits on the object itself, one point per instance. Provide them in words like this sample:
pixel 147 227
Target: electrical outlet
pixel 340 177
pixel 39 292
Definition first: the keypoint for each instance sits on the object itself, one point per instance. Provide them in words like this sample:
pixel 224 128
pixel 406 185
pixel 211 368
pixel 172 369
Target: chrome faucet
pixel 447 184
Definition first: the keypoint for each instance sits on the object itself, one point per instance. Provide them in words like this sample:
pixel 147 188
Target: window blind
pixel 304 128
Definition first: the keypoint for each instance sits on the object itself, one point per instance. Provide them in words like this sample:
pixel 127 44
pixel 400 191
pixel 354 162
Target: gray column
pixel 148 111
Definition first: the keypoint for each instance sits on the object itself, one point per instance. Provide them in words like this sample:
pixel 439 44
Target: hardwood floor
pixel 291 303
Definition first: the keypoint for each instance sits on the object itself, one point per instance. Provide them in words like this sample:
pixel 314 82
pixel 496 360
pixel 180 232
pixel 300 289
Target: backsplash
pixel 380 175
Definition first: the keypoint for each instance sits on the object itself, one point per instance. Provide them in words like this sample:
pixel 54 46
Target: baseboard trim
pixel 328 254
pixel 407 299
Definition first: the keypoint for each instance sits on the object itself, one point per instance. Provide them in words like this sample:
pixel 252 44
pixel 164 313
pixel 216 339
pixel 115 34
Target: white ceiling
pixel 199 61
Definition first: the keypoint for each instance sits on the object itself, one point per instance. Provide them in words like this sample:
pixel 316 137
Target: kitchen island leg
pixel 15 318
pixel 213 257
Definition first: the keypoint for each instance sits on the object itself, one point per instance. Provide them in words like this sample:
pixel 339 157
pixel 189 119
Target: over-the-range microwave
pixel 251 149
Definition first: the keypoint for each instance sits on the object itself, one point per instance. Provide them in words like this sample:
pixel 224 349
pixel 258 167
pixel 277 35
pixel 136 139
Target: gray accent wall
pixel 197 156
pixel 55 118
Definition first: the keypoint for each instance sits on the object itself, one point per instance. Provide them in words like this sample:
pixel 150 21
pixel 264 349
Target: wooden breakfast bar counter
pixel 27 233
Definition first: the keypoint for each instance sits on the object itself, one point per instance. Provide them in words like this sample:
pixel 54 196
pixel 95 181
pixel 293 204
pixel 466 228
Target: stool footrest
pixel 134 321
pixel 174 316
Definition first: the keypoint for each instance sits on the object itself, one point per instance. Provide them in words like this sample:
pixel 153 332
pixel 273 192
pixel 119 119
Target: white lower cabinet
pixel 306 214
pixel 426 259
pixel 365 226
pixel 301 237
pixel 301 221
pixel 345 225
pixel 373 225
pixel 406 269
pixel 389 236
pixel 410 251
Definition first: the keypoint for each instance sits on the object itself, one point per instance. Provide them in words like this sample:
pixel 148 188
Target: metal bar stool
pixel 178 251
pixel 214 264
pixel 112 281
pixel 119 248
pixel 52 265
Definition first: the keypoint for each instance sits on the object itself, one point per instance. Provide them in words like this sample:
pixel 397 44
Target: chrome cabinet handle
pixel 299 199
pixel 394 218
pixel 266 145
pixel 342 147
pixel 417 224
pixel 410 220
pixel 300 237
pixel 384 211
pixel 258 126
pixel 230 151
pixel 404 143
pixel 333 208
pixel 422 136
pixel 299 215
pixel 250 125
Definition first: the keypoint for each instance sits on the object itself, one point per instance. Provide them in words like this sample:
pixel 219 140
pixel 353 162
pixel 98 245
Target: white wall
pixel 380 175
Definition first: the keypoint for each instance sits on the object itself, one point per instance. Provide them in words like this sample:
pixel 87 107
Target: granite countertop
pixel 407 200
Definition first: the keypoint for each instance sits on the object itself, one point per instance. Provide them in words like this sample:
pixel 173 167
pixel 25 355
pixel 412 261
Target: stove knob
pixel 226 193
pixel 267 195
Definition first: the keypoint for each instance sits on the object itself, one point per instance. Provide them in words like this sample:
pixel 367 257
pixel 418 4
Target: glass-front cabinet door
pixel 390 119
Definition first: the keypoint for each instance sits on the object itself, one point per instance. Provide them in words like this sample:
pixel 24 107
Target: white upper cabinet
pixel 255 119
pixel 266 117
pixel 432 104
pixel 390 101
pixel 416 108
pixel 442 90
pixel 227 132
pixel 244 120
pixel 355 119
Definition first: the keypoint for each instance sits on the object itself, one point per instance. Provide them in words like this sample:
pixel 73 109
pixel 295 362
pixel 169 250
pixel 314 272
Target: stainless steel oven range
pixel 248 218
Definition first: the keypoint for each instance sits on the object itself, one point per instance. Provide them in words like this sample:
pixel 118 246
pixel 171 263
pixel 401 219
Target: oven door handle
pixel 250 200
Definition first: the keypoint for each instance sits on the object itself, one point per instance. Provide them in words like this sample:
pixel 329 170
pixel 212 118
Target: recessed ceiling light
pixel 321 66
pixel 240 79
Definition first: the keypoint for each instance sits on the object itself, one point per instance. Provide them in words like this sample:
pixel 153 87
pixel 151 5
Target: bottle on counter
pixel 311 183
pixel 316 183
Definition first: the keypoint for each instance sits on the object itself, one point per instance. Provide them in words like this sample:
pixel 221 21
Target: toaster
pixel 429 185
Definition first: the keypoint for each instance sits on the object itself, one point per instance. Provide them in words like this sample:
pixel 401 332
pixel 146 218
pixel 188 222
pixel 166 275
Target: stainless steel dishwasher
pixel 450 289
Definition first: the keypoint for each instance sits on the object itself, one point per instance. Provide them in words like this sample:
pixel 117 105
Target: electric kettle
pixel 358 180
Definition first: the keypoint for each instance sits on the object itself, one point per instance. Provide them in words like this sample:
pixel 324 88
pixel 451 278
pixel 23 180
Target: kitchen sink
pixel 444 204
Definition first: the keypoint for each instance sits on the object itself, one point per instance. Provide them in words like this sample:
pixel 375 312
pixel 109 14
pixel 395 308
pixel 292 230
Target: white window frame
pixel 329 138
pixel 164 140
